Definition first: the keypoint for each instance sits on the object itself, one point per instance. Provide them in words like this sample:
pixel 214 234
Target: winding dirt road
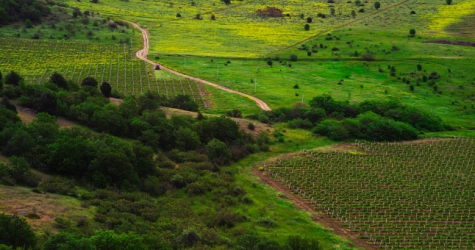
pixel 142 54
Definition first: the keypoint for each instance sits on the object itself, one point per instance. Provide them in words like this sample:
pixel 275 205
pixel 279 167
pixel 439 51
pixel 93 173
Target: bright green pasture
pixel 237 30
pixel 386 38
pixel 97 30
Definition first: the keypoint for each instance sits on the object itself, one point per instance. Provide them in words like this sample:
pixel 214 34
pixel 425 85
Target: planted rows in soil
pixel 36 60
pixel 394 195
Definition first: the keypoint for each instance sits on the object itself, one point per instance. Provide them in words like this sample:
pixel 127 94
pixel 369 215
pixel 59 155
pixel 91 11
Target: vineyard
pixel 36 60
pixel 417 195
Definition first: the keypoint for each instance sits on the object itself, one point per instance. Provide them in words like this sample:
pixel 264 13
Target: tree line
pixel 373 120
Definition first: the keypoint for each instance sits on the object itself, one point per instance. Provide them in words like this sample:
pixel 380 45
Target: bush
pixel 90 82
pixel 293 58
pixel 106 89
pixel 15 232
pixel 251 126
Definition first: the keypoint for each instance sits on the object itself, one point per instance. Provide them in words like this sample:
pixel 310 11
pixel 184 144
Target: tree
pixel 28 24
pixel 13 78
pixel 307 27
pixel 15 232
pixel 377 5
pixel 47 103
pixel 332 11
pixel 419 67
pixel 89 81
pixel 218 152
pixel 449 2
pixel 59 80
pixel 412 32
pixel 353 13
pixel 227 2
pixel 269 62
pixel 106 89
pixel 309 20
pixel 293 58
pixel 95 1
pixel 5 102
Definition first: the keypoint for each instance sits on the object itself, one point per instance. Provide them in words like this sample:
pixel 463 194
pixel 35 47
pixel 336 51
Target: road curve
pixel 142 54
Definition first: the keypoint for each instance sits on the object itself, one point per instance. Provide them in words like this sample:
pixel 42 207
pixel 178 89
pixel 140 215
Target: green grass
pixel 62 26
pixel 321 72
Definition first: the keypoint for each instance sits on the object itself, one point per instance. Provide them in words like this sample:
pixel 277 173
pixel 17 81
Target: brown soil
pixel 319 217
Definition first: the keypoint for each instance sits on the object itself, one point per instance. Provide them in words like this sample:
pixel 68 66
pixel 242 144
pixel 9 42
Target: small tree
pixel 353 13
pixel 16 232
pixel 307 27
pixel 89 81
pixel 95 1
pixel 332 11
pixel 412 32
pixel 377 5
pixel 13 78
pixel 28 24
pixel 309 20
pixel 269 62
pixel 59 80
pixel 106 89
pixel 293 58
pixel 227 2
pixel 449 2
pixel 411 88
pixel 419 67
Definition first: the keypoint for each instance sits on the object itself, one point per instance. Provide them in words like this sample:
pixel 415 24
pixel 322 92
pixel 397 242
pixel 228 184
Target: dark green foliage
pixel 8 105
pixel 218 152
pixel 412 32
pixel 327 103
pixel 449 2
pixel 236 113
pixel 377 5
pixel 89 82
pixel 106 89
pixel 184 102
pixel 1 80
pixel 187 139
pixel 47 103
pixel 13 78
pixel 11 11
pixel 221 128
pixel 293 58
pixel 59 80
pixel 28 24
pixel 100 240
pixel 306 27
pixel 15 232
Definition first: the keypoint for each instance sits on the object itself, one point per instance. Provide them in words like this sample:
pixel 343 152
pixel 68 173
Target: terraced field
pixel 416 195
pixel 116 64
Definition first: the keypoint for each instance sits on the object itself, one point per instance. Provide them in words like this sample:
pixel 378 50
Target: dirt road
pixel 142 54
pixel 318 217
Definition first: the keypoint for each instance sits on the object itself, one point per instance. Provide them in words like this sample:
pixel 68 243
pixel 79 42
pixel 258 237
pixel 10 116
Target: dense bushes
pixel 369 120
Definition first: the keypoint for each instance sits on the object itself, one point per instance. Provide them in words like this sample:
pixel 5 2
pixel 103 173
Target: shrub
pixel 16 232
pixel 293 58
pixel 90 82
pixel 251 126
